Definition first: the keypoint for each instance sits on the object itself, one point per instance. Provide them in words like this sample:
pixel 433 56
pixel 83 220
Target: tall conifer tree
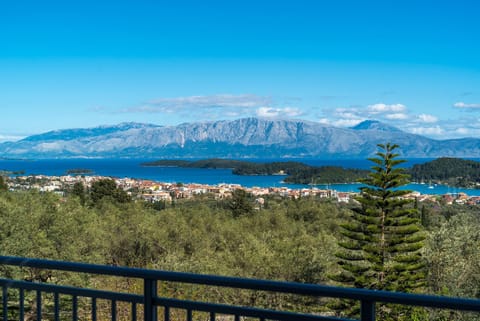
pixel 383 240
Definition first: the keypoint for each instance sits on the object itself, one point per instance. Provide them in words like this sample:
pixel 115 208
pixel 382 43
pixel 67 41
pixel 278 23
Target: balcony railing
pixel 146 306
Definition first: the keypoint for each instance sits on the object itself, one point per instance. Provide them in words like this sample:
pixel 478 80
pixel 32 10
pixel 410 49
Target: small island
pixel 9 173
pixel 78 171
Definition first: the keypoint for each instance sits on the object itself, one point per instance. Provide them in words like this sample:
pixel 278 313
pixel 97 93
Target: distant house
pixel 474 200
pixel 448 199
pixel 157 196
pixel 323 193
pixel 343 197
pixel 259 203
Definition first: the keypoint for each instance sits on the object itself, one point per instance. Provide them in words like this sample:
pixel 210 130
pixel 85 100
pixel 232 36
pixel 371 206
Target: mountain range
pixel 242 138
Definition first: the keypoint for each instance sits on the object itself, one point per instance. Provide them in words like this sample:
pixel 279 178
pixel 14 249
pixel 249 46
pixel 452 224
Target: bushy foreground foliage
pixel 294 240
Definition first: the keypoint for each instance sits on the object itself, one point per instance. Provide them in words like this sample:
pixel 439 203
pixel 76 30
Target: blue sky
pixel 69 64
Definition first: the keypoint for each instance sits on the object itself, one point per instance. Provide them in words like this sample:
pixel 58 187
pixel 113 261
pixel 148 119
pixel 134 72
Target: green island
pixel 295 172
pixel 78 171
pixel 8 173
pixel 448 171
pixel 204 163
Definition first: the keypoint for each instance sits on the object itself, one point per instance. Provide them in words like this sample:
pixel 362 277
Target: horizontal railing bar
pixel 241 311
pixel 424 300
pixel 81 292
pixel 253 284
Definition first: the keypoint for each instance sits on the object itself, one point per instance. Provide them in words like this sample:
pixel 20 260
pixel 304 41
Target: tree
pixel 383 239
pixel 3 184
pixel 107 188
pixel 240 204
pixel 452 251
pixel 78 190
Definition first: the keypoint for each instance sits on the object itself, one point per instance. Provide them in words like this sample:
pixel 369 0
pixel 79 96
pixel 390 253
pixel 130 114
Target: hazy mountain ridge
pixel 76 133
pixel 247 137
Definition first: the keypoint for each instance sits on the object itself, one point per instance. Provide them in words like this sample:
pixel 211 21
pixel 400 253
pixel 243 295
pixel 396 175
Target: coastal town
pixel 153 191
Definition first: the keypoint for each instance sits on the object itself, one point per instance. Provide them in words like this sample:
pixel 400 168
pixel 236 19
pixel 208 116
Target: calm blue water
pixel 131 168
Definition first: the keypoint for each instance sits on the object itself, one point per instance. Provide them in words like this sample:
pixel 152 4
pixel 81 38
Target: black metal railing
pixel 146 306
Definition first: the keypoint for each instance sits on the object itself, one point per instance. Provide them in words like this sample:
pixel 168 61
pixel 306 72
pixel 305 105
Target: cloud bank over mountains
pixel 232 106
pixel 329 111
pixel 217 107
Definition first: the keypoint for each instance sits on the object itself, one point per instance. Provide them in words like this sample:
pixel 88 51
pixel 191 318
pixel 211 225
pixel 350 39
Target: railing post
pixel 5 302
pixel 367 310
pixel 149 293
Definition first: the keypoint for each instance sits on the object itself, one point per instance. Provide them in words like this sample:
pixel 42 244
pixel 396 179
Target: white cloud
pixel 463 105
pixel 342 117
pixel 400 116
pixel 347 117
pixel 346 122
pixel 10 138
pixel 292 112
pixel 348 114
pixel 214 107
pixel 382 108
pixel 379 111
pixel 267 112
pixel 447 129
pixel 397 116
pixel 429 131
pixel 324 121
pixel 426 118
pixel 151 109
pixel 278 112
pixel 463 131
pixel 233 114
pixel 224 101
pixel 344 114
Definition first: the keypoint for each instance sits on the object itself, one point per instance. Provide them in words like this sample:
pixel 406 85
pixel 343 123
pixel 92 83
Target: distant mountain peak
pixel 375 125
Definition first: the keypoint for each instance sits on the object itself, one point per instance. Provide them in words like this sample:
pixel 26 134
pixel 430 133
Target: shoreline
pixel 351 188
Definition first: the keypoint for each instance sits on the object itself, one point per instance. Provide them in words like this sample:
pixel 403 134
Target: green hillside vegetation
pixel 449 171
pixel 167 163
pixel 274 168
pixel 238 167
pixel 293 240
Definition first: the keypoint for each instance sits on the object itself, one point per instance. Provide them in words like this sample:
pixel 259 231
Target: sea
pixel 132 168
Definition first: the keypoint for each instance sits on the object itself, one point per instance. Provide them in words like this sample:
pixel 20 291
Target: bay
pixel 132 168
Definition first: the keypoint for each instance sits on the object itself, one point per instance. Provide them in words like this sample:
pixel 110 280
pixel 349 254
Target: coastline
pixel 130 168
